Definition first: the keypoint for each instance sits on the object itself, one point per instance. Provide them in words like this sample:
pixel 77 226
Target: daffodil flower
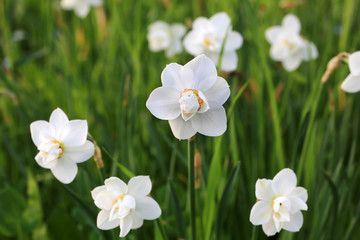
pixel 61 144
pixel 279 203
pixel 207 37
pixel 125 205
pixel 162 36
pixel 351 83
pixel 81 7
pixel 288 46
pixel 191 98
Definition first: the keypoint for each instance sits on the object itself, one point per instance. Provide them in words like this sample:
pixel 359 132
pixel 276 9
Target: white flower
pixel 81 7
pixel 278 204
pixel 62 144
pixel 163 36
pixel 191 98
pixel 125 205
pixel 352 81
pixel 207 37
pixel 287 45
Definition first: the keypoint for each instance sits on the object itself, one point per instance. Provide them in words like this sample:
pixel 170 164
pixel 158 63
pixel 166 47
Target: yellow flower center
pixel 199 99
pixel 61 146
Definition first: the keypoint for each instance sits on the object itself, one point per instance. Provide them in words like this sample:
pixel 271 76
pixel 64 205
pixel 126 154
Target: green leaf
pixel 178 216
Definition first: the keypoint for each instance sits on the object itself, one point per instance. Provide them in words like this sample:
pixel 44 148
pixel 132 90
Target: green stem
pixel 162 230
pixel 191 186
pixel 254 233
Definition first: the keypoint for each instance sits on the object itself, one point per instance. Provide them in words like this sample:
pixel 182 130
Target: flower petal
pixel 263 189
pixel 354 63
pixel 65 170
pixel 163 103
pixel 193 43
pixel 220 22
pixel 297 204
pixel 218 93
pixel 37 127
pixel 116 186
pixel 284 182
pixel 139 186
pixel 260 213
pixel 299 192
pixel 291 23
pixel 181 129
pixel 272 34
pixel 234 41
pixel 97 190
pixel 82 10
pixel 136 220
pixel 74 133
pixel 170 77
pixel 147 208
pixel 67 4
pixel 211 123
pixel 296 222
pixel 80 153
pixel 351 83
pixel 105 200
pixel 203 25
pixel 178 30
pixel 103 222
pixel 292 62
pixel 229 61
pixel 269 228
pixel 58 119
pixel 39 160
pixel 125 225
pixel 310 51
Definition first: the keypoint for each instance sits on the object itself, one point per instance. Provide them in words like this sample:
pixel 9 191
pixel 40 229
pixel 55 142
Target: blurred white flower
pixel 125 205
pixel 62 144
pixel 81 7
pixel 162 36
pixel 18 35
pixel 191 98
pixel 288 46
pixel 351 83
pixel 207 37
pixel 278 204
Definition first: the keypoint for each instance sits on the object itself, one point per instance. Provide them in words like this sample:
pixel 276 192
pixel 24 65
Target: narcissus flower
pixel 125 205
pixel 207 37
pixel 163 36
pixel 61 144
pixel 191 98
pixel 287 45
pixel 81 7
pixel 278 204
pixel 351 83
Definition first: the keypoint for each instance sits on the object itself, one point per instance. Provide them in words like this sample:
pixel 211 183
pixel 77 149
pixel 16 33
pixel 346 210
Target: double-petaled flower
pixel 351 83
pixel 125 205
pixel 61 144
pixel 279 203
pixel 81 7
pixel 191 98
pixel 287 45
pixel 207 37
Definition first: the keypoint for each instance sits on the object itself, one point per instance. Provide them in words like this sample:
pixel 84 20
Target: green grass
pixel 100 69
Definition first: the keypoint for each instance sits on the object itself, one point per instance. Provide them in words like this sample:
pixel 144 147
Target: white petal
pixel 181 129
pixel 170 77
pixel 203 25
pixel 116 185
pixel 284 182
pixel 136 220
pixel 139 186
pixel 129 202
pixel 354 63
pixel 193 43
pixel 163 103
pixel 263 189
pixel 58 119
pixel 211 123
pixel 95 2
pixel 234 41
pixel 272 33
pixel 125 225
pixel 82 10
pixel 296 222
pixel 80 153
pixel 65 170
pixel 204 72
pixel 97 190
pixel 297 204
pixel 103 222
pixel 39 160
pixel 291 23
pixel 37 127
pixel 178 30
pixel 292 62
pixel 74 133
pixel 299 192
pixel 220 21
pixel 105 200
pixel 310 51
pixel 351 83
pixel 218 93
pixel 260 213
pixel 278 52
pixel 229 61
pixel 147 208
pixel 269 228
pixel 68 4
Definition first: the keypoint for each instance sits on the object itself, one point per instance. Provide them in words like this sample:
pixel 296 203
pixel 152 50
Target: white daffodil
pixel 191 98
pixel 125 205
pixel 207 37
pixel 278 204
pixel 351 83
pixel 287 45
pixel 61 144
pixel 163 36
pixel 81 7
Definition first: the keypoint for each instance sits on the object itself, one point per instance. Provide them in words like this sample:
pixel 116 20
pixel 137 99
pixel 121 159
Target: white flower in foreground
pixel 125 205
pixel 287 45
pixel 278 204
pixel 207 37
pixel 191 98
pixel 163 36
pixel 62 144
pixel 81 7
pixel 351 83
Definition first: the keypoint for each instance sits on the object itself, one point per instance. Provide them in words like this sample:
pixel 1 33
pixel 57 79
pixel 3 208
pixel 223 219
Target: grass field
pixel 100 69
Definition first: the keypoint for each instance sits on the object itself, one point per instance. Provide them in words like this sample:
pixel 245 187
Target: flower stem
pixel 162 230
pixel 191 186
pixel 254 233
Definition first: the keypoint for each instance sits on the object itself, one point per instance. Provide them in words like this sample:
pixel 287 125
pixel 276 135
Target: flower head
pixel 61 144
pixel 352 82
pixel 278 204
pixel 207 37
pixel 125 205
pixel 287 45
pixel 163 36
pixel 81 7
pixel 191 98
